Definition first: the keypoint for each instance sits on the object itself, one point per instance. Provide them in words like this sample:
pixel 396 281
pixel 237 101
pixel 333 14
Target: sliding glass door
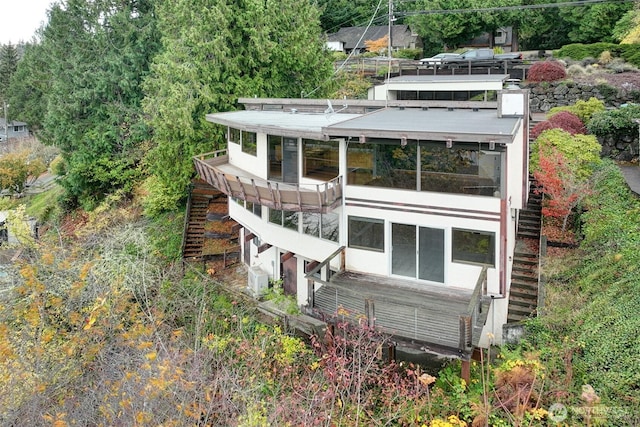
pixel 417 252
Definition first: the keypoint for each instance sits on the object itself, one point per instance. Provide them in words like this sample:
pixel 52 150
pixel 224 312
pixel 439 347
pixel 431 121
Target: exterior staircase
pixel 523 294
pixel 197 206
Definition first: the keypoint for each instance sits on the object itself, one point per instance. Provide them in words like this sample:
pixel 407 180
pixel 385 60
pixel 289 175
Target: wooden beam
pixel 263 247
pixel 249 236
pixel 311 266
pixel 286 257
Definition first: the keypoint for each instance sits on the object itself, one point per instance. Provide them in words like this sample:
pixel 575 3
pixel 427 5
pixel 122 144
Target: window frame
pixel 374 221
pixel 456 252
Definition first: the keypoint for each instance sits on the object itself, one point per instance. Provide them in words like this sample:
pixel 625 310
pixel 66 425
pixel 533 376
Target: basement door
pixel 417 252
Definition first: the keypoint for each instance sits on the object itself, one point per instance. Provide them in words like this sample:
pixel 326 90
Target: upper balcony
pixel 214 167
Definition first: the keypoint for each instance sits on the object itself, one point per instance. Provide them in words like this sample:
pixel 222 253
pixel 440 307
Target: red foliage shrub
pixel 569 122
pixel 546 71
pixel 539 128
pixel 564 120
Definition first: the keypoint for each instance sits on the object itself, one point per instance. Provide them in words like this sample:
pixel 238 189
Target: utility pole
pixel 391 19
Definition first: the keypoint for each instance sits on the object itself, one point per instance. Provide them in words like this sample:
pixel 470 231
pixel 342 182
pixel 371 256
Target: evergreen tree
pixel 8 64
pixel 98 52
pixel 215 51
pixel 28 88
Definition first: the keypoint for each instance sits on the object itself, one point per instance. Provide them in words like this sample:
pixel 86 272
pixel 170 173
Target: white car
pixel 438 59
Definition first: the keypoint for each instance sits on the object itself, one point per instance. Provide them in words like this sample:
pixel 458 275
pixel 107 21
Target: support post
pixel 465 371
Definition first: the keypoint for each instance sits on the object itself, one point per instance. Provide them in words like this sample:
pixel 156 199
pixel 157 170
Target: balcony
pixel 235 182
pixel 435 319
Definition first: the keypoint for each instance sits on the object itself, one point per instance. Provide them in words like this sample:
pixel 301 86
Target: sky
pixel 19 19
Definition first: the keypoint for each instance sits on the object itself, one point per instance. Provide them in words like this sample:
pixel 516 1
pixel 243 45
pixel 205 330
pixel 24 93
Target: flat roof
pixel 456 78
pixel 430 124
pixel 285 123
pixel 476 125
pixel 445 83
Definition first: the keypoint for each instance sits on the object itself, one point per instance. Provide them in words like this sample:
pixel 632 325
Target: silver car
pixel 437 60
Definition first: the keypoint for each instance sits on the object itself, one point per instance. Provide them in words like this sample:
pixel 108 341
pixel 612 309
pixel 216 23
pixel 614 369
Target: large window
pixel 366 233
pixel 234 135
pixel 325 226
pixel 320 159
pixel 463 168
pixel 287 219
pixel 283 158
pixel 247 140
pixel 477 247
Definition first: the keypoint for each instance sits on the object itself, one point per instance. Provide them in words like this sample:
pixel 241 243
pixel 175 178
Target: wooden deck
pixel 236 182
pixel 438 319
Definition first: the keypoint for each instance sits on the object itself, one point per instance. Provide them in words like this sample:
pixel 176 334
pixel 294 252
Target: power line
pixel 509 8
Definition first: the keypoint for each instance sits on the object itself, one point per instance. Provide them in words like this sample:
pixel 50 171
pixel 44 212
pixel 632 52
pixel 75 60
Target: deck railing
pixel 320 198
pixel 469 320
pixel 412 319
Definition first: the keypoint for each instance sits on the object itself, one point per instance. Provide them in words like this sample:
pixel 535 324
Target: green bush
pixel 616 123
pixel 158 199
pixel 578 51
pixel 58 166
pixel 408 54
pixel 582 152
pixel 583 109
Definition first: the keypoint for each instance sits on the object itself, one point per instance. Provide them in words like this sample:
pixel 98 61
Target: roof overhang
pixel 472 125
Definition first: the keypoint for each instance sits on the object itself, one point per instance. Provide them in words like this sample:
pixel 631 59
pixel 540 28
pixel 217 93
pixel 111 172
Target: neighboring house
pixel 503 37
pixel 399 212
pixel 352 39
pixel 462 87
pixel 15 129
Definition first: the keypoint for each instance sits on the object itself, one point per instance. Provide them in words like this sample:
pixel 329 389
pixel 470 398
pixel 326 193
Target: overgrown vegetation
pixel 588 334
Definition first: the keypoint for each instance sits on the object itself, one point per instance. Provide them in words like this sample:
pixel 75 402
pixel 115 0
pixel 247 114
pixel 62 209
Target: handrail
pixel 320 197
pixel 324 263
pixel 476 296
pixel 469 318
pixel 186 221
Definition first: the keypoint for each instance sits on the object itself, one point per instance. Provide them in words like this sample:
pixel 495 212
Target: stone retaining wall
pixel 546 95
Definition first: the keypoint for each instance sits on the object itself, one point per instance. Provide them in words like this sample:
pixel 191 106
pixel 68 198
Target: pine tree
pixel 8 64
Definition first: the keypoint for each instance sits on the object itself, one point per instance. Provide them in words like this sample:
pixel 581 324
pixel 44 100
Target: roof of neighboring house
pixel 12 123
pixel 352 37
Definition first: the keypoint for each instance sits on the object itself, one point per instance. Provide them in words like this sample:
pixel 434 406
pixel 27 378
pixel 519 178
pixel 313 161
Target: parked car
pixel 439 58
pixel 480 57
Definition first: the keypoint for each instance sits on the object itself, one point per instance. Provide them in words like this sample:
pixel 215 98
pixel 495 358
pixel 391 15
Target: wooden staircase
pixel 523 294
pixel 197 206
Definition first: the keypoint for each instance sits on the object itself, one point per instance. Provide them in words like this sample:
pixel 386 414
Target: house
pixel 15 129
pixel 456 87
pixel 401 212
pixel 502 37
pixel 352 39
